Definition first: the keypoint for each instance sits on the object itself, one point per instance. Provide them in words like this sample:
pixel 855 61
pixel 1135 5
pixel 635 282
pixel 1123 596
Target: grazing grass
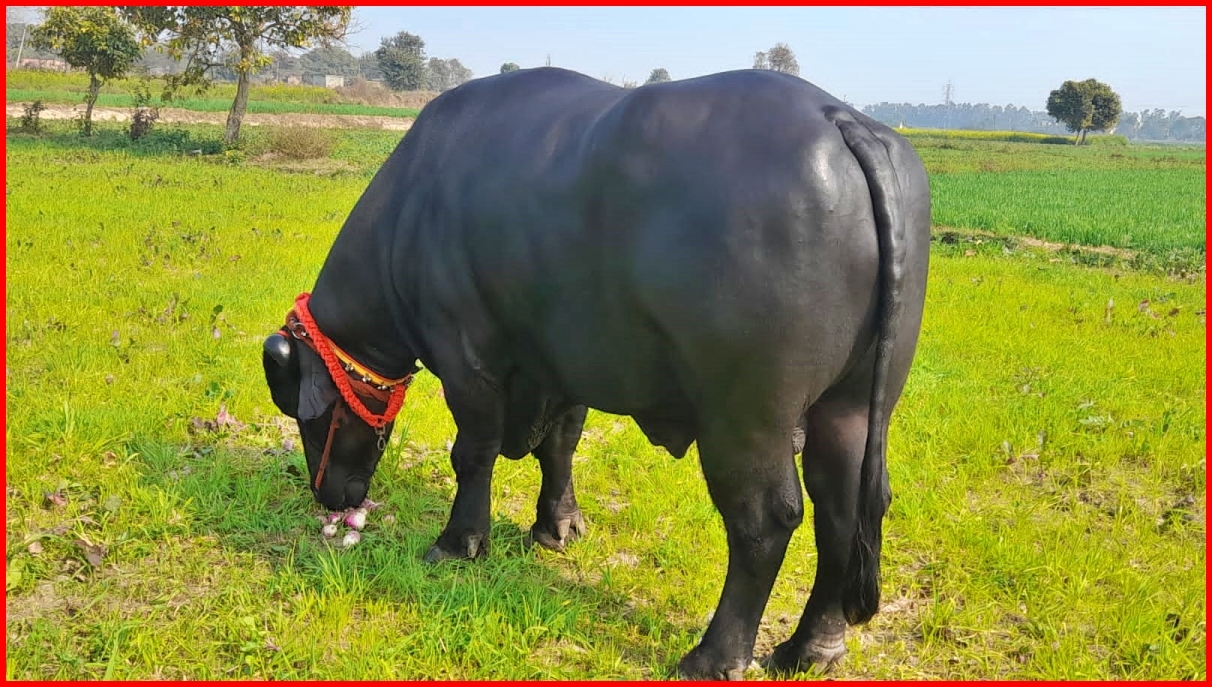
pixel 1047 460
pixel 1154 210
pixel 1142 198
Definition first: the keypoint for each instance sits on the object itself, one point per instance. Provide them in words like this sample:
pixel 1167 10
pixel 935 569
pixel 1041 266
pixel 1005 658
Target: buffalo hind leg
pixel 473 457
pixel 836 436
pixel 757 492
pixel 558 520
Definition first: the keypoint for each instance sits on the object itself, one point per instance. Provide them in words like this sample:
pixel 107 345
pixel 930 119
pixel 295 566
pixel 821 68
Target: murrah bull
pixel 738 259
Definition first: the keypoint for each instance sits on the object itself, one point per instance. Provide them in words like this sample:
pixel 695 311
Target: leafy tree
pixel 443 75
pixel 283 65
pixel 780 58
pixel 1107 106
pixel 154 61
pixel 368 66
pixel 1084 106
pixel 402 59
pixel 509 67
pixel 658 75
pixel 329 60
pixel 91 38
pixel 236 37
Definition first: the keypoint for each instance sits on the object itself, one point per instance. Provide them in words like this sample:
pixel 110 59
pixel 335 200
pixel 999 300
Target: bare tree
pixel 782 59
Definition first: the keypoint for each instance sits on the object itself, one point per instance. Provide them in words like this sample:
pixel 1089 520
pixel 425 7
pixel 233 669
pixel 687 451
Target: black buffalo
pixel 738 260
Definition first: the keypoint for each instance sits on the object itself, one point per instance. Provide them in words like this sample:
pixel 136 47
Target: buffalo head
pixel 302 388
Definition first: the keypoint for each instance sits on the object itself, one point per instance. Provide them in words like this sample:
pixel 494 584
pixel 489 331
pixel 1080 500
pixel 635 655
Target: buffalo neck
pixel 352 306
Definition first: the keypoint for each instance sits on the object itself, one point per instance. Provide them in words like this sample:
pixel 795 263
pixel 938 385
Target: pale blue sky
pixel 1153 57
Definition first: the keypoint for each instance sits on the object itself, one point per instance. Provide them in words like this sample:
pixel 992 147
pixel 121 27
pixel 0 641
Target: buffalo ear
pixel 316 390
pixel 282 373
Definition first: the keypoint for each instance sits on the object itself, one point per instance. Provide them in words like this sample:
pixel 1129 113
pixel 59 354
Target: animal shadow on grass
pixel 257 501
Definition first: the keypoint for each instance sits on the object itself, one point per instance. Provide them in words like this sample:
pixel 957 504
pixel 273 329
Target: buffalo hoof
pixel 566 531
pixel 789 658
pixel 697 665
pixel 472 548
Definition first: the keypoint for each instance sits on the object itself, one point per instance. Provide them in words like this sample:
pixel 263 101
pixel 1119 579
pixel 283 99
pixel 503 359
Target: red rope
pixel 321 345
pixel 393 396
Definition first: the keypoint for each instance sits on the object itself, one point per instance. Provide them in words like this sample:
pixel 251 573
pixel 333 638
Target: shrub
pixel 1107 141
pixel 145 115
pixel 375 94
pixel 301 142
pixel 31 120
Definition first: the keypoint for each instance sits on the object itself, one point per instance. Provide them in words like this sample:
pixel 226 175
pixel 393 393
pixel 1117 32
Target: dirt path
pixel 178 116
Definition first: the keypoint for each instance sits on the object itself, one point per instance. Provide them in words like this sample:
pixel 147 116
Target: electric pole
pixel 948 91
pixel 21 46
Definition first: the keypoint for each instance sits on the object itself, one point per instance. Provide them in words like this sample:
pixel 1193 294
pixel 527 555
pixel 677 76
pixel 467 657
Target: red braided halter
pixel 301 326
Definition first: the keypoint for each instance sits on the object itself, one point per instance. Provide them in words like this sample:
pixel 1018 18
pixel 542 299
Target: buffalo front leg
pixel 757 492
pixel 473 457
pixel 558 520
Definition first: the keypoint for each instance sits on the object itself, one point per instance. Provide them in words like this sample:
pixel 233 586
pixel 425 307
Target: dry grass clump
pixel 301 142
pixel 374 93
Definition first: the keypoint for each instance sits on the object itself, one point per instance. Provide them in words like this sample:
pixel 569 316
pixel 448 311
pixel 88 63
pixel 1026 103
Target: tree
pixel 780 58
pixel 368 66
pixel 237 37
pixel 1084 106
pixel 1107 106
pixel 658 75
pixel 402 59
pixel 329 60
pixel 443 75
pixel 91 38
pixel 509 67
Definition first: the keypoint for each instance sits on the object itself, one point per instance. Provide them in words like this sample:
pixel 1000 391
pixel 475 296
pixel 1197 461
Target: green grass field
pixel 1047 458
pixel 1155 210
pixel 215 104
pixel 77 83
pixel 24 85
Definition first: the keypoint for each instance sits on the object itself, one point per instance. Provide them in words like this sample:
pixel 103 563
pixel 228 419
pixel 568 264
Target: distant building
pixel 35 63
pixel 293 80
pixel 325 80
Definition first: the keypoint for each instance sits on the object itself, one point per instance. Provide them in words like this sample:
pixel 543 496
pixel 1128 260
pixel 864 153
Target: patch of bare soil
pixel 319 166
pixel 1032 242
pixel 177 116
pixel 42 602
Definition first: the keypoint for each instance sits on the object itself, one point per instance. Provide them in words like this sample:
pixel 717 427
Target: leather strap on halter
pixel 353 381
